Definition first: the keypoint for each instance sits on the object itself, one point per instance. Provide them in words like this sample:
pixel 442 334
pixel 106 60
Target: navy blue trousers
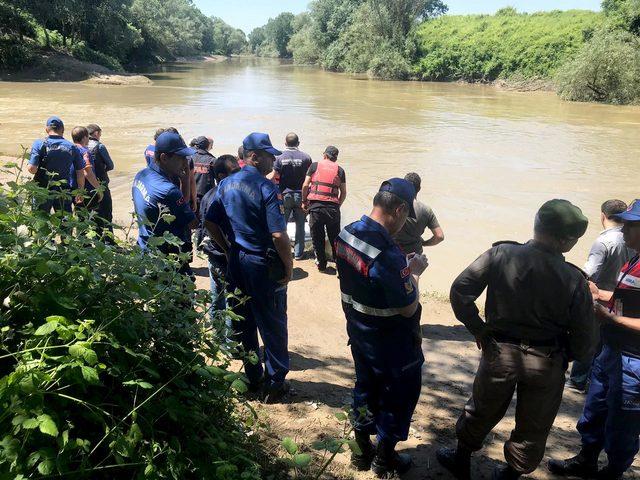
pixel 389 398
pixel 265 312
pixel 611 416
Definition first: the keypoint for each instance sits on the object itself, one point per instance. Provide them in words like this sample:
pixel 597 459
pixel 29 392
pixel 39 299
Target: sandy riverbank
pixel 322 374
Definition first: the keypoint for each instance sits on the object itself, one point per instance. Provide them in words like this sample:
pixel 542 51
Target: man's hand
pixel 287 277
pixel 595 292
pixel 417 263
pixel 305 207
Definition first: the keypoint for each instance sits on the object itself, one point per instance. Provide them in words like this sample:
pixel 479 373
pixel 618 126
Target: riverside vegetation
pixel 112 33
pixel 589 56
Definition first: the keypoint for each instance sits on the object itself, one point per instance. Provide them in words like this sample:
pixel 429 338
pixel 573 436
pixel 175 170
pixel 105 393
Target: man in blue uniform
pixel 56 159
pixel 246 219
pixel 380 299
pixel 611 416
pixel 153 190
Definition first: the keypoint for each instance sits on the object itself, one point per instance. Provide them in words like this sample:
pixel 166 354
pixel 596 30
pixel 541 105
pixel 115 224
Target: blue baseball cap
pixel 403 189
pixel 170 142
pixel 55 122
pixel 259 141
pixel 631 215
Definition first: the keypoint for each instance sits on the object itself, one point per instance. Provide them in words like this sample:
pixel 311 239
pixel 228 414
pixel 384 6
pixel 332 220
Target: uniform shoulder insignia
pixel 582 272
pixel 506 242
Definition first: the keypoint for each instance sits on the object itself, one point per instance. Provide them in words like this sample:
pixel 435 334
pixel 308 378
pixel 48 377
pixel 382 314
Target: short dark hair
pixel 159 132
pixel 613 207
pixel 415 179
pixel 220 165
pixel 292 140
pixel 388 201
pixel 78 133
pixel 173 130
pixel 241 152
pixel 93 128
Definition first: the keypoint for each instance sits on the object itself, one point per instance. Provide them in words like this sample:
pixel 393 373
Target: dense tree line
pixel 373 36
pixel 114 32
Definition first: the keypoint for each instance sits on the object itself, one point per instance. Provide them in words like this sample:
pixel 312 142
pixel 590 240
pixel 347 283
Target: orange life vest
pixel 325 182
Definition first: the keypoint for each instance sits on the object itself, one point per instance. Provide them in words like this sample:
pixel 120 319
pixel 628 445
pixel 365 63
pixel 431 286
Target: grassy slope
pixel 489 47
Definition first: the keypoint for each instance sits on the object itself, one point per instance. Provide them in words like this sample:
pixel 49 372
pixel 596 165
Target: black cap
pixel 562 219
pixel 403 189
pixel 331 152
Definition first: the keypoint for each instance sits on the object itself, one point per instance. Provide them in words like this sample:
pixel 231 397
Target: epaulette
pixel 582 272
pixel 506 242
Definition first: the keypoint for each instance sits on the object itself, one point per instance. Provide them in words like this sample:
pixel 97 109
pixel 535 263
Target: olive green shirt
pixel 409 238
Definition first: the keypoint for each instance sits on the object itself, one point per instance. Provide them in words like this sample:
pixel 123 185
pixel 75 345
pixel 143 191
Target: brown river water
pixel 488 158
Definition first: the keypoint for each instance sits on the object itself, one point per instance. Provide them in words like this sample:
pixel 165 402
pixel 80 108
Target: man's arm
pixel 34 158
pixel 343 193
pixel 305 189
pixel 606 317
pixel 417 265
pixel 282 244
pixel 583 330
pixel 106 158
pixel 217 236
pixel 597 257
pixel 437 237
pixel 465 291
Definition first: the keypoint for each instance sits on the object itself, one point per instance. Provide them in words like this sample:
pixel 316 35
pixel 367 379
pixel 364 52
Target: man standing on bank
pixel 611 416
pixel 102 164
pixel 409 238
pixel 246 219
pixel 381 302
pixel 323 193
pixel 203 173
pixel 607 257
pixel 539 315
pixel 289 171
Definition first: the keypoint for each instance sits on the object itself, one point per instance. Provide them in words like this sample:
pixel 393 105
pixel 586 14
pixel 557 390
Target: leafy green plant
pixel 109 364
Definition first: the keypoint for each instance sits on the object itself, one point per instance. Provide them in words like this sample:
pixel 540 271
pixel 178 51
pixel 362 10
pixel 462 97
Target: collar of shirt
pixel 250 169
pixel 611 229
pixel 55 137
pixel 155 167
pixel 291 148
pixel 543 247
pixel 377 227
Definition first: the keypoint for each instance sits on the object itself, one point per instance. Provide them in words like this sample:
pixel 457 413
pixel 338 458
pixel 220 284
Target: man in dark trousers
pixel 102 164
pixel 381 302
pixel 246 219
pixel 539 315
pixel 203 161
pixel 607 256
pixel 610 420
pixel 289 171
pixel 323 192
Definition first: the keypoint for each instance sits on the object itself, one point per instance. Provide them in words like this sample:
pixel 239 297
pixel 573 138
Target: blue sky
pixel 248 14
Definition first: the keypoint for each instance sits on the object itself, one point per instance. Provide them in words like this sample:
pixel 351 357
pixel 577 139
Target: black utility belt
pixel 500 338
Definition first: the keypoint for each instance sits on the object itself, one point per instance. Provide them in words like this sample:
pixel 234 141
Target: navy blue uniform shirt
pixel 152 188
pixel 59 157
pixel 250 207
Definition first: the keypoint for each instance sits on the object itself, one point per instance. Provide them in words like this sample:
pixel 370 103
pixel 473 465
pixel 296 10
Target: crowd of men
pixel 541 312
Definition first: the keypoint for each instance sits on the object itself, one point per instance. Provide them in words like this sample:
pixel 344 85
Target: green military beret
pixel 562 219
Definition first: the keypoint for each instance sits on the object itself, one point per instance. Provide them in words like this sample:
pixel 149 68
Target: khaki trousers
pixel 537 374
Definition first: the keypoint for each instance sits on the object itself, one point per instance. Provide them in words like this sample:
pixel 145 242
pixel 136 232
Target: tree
pixel 624 14
pixel 394 19
pixel 278 32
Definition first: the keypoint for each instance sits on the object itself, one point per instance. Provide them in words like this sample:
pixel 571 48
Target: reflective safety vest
pixel 625 302
pixel 366 259
pixel 325 182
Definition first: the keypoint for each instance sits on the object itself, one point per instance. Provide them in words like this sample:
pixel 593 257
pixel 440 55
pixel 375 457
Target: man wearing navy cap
pixel 246 219
pixel 611 416
pixel 154 189
pixel 381 302
pixel 56 159
pixel 539 316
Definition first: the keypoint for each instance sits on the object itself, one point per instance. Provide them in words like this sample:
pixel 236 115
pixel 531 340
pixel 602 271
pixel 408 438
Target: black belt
pixel 500 338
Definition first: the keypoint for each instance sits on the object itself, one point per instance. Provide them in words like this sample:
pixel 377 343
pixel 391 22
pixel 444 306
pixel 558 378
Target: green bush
pixel 389 64
pixel 488 47
pixel 82 52
pixel 607 69
pixel 15 55
pixel 109 365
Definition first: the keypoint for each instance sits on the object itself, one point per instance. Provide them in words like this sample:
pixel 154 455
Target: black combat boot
pixel 583 465
pixel 457 461
pixel 388 462
pixel 608 474
pixel 505 472
pixel 362 461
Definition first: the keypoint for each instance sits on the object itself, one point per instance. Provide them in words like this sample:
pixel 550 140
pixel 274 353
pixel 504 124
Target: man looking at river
pixel 409 238
pixel 539 315
pixel 102 164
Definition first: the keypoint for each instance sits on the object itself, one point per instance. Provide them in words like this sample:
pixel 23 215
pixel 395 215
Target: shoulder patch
pixel 405 272
pixel 506 242
pixel 582 272
pixel 408 287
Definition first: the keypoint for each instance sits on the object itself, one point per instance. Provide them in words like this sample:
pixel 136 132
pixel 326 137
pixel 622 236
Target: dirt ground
pixel 322 375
